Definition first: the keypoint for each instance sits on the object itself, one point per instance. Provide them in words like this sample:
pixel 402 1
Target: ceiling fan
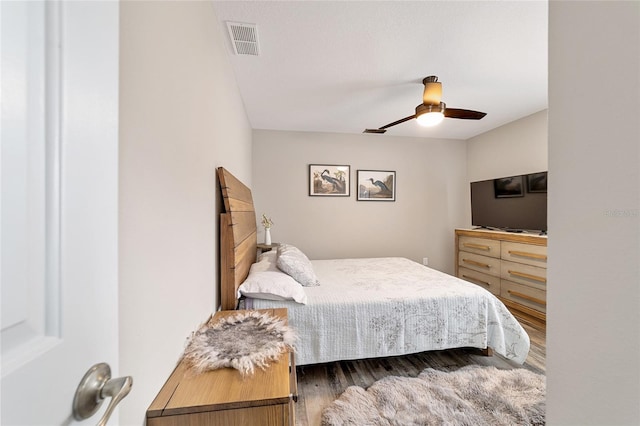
pixel 432 110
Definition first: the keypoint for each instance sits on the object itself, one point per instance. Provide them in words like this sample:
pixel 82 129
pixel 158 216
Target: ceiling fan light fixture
pixel 430 115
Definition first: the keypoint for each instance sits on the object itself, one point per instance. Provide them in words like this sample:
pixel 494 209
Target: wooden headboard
pixel 238 237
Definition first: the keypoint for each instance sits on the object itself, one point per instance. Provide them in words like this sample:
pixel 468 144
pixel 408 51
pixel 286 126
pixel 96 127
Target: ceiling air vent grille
pixel 244 38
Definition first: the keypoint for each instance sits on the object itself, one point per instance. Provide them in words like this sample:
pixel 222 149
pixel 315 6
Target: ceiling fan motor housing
pixel 424 108
pixel 432 94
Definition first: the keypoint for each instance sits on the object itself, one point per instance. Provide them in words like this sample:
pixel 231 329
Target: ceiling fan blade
pixel 465 114
pixel 384 128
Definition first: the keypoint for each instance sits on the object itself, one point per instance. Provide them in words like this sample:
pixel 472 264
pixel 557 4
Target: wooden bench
pixel 224 397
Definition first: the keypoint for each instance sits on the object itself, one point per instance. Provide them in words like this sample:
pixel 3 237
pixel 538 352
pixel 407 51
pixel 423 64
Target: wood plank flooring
pixel 319 385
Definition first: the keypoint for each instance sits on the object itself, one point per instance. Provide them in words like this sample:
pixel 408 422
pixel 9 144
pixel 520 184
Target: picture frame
pixel 329 180
pixel 508 187
pixel 537 182
pixel 376 185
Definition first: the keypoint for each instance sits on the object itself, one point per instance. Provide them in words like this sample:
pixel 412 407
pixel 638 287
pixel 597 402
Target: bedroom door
pixel 59 179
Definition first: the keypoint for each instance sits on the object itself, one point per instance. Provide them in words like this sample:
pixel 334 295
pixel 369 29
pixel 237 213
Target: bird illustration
pixel 380 184
pixel 338 185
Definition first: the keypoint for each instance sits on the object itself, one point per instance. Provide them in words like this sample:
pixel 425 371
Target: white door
pixel 59 204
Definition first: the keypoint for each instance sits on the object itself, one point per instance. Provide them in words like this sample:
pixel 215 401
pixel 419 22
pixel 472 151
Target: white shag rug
pixel 243 341
pixel 473 396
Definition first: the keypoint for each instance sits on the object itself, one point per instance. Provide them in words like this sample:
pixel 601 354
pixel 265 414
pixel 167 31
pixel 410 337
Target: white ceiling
pixel 345 66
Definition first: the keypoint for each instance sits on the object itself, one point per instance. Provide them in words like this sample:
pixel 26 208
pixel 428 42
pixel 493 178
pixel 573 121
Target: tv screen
pixel 513 203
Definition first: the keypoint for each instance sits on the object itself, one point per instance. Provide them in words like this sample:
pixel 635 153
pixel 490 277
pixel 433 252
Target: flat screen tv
pixel 513 203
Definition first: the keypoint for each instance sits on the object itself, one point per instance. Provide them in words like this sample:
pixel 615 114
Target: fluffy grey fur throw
pixel 472 396
pixel 243 341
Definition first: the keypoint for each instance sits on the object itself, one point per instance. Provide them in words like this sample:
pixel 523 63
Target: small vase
pixel 267 236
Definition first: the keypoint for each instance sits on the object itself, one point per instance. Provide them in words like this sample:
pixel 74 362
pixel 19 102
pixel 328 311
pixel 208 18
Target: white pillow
pixel 270 255
pixel 295 263
pixel 266 281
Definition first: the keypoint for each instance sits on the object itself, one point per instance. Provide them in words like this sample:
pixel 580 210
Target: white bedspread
pixel 377 307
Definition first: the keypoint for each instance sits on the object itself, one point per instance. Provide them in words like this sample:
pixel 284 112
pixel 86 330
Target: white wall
pixel 517 148
pixel 430 200
pixel 168 136
pixel 593 344
pixel 180 117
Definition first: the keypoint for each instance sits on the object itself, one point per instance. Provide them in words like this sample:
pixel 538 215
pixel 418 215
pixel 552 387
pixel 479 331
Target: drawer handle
pixel 527 297
pixel 528 276
pixel 477 246
pixel 475 280
pixel 530 255
pixel 473 262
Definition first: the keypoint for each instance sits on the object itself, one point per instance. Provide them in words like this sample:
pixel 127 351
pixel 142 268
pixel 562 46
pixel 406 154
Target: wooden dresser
pixel 223 397
pixel 513 266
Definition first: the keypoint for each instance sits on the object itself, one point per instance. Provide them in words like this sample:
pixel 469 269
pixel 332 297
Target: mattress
pixel 380 307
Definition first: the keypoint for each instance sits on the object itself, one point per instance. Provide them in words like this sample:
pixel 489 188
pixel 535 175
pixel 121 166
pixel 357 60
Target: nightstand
pixel 223 397
pixel 266 247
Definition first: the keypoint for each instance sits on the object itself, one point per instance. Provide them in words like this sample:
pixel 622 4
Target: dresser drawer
pixel 528 296
pixel 481 246
pixel 524 274
pixel 524 253
pixel 486 281
pixel 485 264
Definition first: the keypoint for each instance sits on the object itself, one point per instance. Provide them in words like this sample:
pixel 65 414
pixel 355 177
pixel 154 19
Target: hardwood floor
pixel 319 385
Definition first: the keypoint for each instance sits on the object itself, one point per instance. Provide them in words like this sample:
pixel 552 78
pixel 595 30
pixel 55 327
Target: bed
pixel 362 308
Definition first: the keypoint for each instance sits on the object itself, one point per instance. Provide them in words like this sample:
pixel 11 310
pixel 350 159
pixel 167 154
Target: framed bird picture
pixel 327 180
pixel 376 185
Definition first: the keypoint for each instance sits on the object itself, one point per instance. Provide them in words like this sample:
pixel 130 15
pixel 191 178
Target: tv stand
pixel 512 266
pixel 486 228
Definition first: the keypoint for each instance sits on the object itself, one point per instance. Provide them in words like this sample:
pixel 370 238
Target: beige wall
pixel 430 199
pixel 180 117
pixel 593 343
pixel 517 148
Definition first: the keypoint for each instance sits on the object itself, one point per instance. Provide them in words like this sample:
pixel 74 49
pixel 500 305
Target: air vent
pixel 244 38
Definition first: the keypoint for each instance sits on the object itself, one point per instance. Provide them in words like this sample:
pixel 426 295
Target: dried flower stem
pixel 266 222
